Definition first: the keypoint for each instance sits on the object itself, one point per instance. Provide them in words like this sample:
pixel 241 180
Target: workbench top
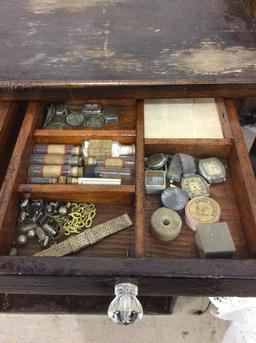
pixel 125 42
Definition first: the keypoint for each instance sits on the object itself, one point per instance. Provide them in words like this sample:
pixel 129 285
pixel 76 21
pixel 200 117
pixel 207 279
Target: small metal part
pixel 43 239
pixel 21 240
pixel 94 121
pixel 188 165
pixel 195 186
pixel 174 172
pixel 111 114
pixel 13 252
pixel 212 169
pixel 31 234
pixel 68 205
pixel 51 231
pixel 174 198
pixel 23 216
pixel 48 209
pixel 45 242
pixel 156 161
pixel 27 227
pixel 91 109
pixel 37 216
pixel 24 203
pixel 155 181
pixel 75 119
pixel 63 211
pixel 41 235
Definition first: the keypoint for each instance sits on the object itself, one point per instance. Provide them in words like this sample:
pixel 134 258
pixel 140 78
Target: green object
pixel 214 240
pixel 165 224
pixel 73 119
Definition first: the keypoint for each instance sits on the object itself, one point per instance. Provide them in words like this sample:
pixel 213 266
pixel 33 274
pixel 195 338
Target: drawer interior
pixel 233 195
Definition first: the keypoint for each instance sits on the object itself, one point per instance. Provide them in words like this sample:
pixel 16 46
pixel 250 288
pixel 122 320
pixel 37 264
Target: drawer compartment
pixel 11 116
pixel 162 269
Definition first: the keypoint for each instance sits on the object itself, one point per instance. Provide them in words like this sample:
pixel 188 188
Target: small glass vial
pixel 56 159
pixel 111 172
pixel 106 148
pixel 54 170
pixel 119 162
pixel 63 149
pixel 42 180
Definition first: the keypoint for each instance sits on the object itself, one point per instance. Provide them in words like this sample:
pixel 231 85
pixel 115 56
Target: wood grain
pixel 243 177
pixel 224 118
pixel 77 136
pixel 140 189
pixel 120 244
pixel 11 116
pixel 15 173
pixel 197 147
pixel 184 245
pixel 156 277
pixel 217 49
pixel 91 193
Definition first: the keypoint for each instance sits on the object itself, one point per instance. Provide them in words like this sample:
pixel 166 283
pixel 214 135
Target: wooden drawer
pixel 160 269
pixel 11 116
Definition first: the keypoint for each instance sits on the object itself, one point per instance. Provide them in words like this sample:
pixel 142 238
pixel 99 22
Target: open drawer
pixel 160 269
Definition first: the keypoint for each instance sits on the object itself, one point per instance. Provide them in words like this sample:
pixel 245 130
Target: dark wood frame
pixel 156 276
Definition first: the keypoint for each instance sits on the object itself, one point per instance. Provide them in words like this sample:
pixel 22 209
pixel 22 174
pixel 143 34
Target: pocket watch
pixel 212 169
pixel 73 119
pixel 156 161
pixel 195 186
pixel 174 198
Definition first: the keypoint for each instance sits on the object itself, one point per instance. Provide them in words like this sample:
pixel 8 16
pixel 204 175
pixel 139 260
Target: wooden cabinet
pixel 96 50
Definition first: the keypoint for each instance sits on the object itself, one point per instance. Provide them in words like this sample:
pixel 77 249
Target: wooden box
pixel 160 269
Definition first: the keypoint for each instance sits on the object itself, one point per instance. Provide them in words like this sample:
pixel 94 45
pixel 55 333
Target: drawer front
pixel 11 116
pixel 160 269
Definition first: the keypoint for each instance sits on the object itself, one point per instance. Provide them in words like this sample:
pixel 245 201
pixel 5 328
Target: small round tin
pixel 156 161
pixel 174 198
pixel 165 224
pixel 202 210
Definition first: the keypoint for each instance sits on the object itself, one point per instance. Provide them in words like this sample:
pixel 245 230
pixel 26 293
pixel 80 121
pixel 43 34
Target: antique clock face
pixel 195 186
pixel 212 169
pixel 73 119
pixel 174 198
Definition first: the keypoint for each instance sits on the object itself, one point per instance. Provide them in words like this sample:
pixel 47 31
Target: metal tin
pixel 195 186
pixel 202 210
pixel 155 181
pixel 212 169
pixel 174 198
pixel 156 161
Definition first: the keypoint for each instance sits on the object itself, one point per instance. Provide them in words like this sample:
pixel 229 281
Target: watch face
pixel 195 186
pixel 156 161
pixel 75 119
pixel 212 169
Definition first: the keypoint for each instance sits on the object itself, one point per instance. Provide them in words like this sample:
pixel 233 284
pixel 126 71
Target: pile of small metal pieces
pixel 50 221
pixel 64 116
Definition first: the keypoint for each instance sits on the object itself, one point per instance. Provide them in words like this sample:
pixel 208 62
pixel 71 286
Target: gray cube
pixel 214 240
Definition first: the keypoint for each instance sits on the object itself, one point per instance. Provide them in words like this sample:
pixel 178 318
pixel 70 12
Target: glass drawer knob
pixel 125 308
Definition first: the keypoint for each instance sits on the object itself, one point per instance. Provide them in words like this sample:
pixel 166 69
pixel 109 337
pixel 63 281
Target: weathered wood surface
pixel 81 43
